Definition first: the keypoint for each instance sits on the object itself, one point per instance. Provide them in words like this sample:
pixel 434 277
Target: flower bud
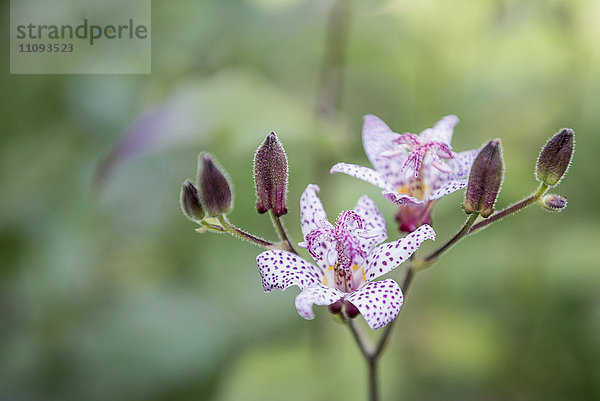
pixel 351 310
pixel 485 180
pixel 554 203
pixel 555 157
pixel 215 191
pixel 190 202
pixel 270 176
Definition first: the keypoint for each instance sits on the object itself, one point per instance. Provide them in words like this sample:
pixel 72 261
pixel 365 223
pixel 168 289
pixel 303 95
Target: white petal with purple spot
pixel 373 221
pixel 400 199
pixel 441 131
pixel 447 188
pixel 378 138
pixel 316 295
pixel 312 214
pixel 379 302
pixel 281 269
pixel 364 173
pixel 462 163
pixel 388 256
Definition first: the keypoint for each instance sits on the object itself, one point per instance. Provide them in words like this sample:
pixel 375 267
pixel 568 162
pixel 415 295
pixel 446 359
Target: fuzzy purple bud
pixel 270 176
pixel 215 191
pixel 485 180
pixel 190 201
pixel 554 203
pixel 555 157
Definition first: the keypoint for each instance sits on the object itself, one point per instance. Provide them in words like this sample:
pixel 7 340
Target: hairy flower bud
pixel 270 176
pixel 555 157
pixel 485 180
pixel 190 201
pixel 554 203
pixel 215 191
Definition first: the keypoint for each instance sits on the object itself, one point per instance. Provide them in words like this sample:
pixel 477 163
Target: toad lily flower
pixel 413 170
pixel 347 258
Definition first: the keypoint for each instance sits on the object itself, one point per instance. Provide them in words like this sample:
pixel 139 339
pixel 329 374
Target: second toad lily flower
pixel 348 259
pixel 413 170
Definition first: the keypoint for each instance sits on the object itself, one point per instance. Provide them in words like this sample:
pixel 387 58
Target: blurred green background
pixel 107 293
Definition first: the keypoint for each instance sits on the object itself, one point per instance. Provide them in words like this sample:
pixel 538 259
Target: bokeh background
pixel 107 293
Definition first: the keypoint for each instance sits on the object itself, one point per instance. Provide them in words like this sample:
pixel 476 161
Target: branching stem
pixel 511 209
pixel 233 230
pixel 282 233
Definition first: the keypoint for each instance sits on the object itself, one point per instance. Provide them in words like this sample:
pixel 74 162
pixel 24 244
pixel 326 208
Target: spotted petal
pixel 317 294
pixel 447 188
pixel 379 138
pixel 379 302
pixel 312 214
pixel 281 269
pixel 388 256
pixel 462 163
pixel 374 223
pixel 400 199
pixel 441 131
pixel 364 173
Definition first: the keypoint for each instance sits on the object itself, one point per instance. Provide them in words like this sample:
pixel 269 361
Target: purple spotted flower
pixel 413 170
pixel 347 259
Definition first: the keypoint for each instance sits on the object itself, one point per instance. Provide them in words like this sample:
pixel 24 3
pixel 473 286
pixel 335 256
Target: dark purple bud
pixel 336 307
pixel 555 157
pixel 411 217
pixel 190 202
pixel 554 203
pixel 215 191
pixel 270 176
pixel 485 180
pixel 351 310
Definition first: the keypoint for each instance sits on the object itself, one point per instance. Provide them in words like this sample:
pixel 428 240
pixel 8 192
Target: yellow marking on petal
pixel 364 276
pixel 331 268
pixel 417 189
pixel 404 189
pixel 355 267
pixel 324 281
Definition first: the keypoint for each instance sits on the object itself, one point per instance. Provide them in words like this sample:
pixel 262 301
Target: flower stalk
pixel 282 233
pixel 236 232
pixel 452 241
pixel 511 209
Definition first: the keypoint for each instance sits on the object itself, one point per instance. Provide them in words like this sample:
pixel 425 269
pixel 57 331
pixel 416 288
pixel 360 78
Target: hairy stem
pixel 457 237
pixel 282 233
pixel 511 209
pixel 236 232
pixel 370 357
pixel 371 353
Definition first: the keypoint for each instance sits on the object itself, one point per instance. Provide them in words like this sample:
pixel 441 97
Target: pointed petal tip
pixel 400 199
pixel 313 187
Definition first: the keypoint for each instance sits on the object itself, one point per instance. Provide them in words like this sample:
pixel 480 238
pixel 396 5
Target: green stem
pixel 410 273
pixel 282 233
pixel 511 209
pixel 233 230
pixel 212 227
pixel 370 357
pixel 457 237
